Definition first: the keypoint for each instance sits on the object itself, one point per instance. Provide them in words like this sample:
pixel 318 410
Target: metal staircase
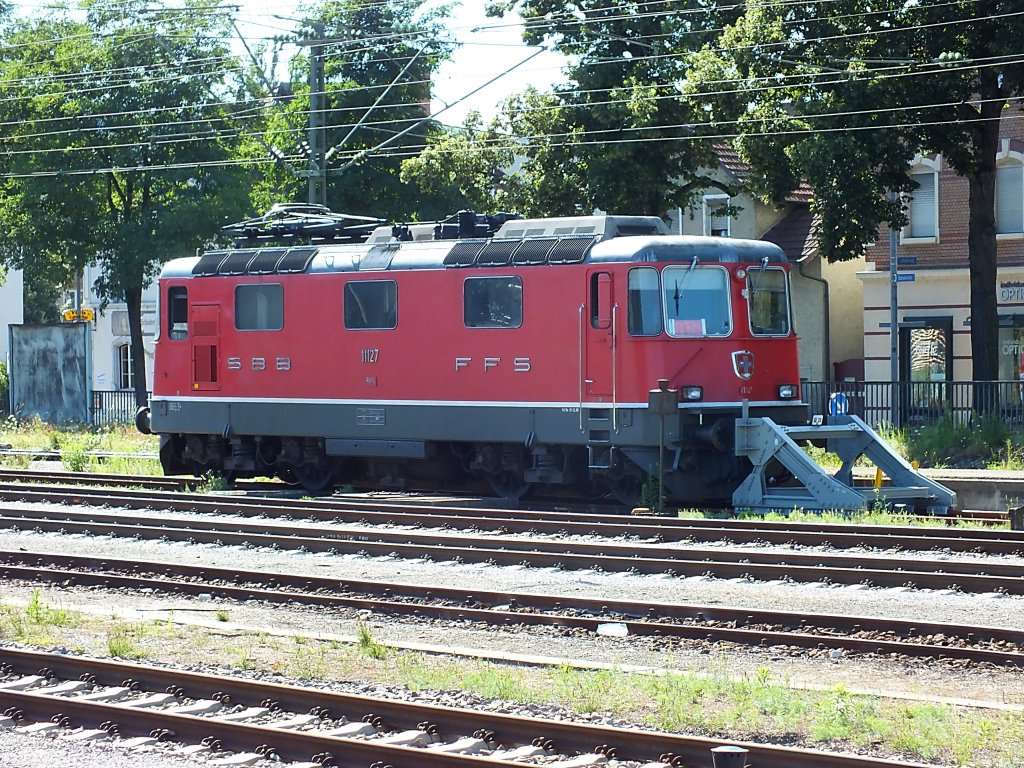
pixel 762 440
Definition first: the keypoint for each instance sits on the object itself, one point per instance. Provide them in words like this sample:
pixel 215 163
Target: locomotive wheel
pixel 626 485
pixel 315 478
pixel 509 485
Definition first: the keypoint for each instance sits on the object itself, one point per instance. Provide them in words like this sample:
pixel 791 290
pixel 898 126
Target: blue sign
pixel 838 404
pixel 906 261
pixel 905 277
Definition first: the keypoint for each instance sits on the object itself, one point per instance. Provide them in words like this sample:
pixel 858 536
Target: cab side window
pixel 177 312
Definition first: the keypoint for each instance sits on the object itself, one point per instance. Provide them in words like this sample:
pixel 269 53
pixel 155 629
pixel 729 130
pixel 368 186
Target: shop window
pixel 371 304
pixel 926 364
pixel 493 302
pixel 923 206
pixel 1010 198
pixel 716 215
pixel 259 307
pixel 126 373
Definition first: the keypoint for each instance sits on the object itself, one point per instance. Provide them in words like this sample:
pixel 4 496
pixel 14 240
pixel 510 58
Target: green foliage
pixel 5 389
pixel 843 96
pixel 368 645
pixel 149 180
pixel 212 481
pixel 375 85
pixel 123 642
pixel 618 135
pixel 74 451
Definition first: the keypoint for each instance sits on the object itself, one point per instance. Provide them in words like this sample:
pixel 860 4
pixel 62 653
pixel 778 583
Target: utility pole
pixel 317 126
pixel 894 326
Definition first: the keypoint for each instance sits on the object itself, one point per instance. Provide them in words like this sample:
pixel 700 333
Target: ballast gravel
pixel 920 679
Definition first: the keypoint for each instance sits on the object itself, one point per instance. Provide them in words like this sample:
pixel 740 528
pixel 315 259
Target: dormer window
pixel 716 215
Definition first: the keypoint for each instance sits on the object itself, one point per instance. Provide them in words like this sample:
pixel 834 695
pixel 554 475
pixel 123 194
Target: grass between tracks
pixel 75 444
pixel 758 708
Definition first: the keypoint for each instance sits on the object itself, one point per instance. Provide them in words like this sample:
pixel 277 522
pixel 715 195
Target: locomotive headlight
pixel 741 273
pixel 788 391
pixel 691 393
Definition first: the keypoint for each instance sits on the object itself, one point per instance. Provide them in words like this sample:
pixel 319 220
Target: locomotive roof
pixel 517 244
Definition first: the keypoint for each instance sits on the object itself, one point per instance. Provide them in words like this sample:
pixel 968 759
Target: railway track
pixel 183 484
pixel 779 630
pixel 556 521
pixel 87 699
pixel 979 575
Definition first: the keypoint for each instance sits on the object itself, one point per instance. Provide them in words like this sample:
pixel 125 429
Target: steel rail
pixel 691 622
pixel 499 728
pixel 613 511
pixel 666 529
pixel 688 561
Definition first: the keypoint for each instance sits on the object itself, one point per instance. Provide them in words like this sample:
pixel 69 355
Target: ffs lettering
pixel 519 364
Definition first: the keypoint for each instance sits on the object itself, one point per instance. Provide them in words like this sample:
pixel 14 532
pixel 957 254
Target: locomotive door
pixel 598 338
pixel 204 323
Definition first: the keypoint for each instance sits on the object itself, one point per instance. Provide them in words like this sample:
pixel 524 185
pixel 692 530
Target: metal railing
pixel 112 407
pixel 920 403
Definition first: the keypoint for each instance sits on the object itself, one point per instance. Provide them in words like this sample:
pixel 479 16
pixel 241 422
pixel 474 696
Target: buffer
pixel 762 440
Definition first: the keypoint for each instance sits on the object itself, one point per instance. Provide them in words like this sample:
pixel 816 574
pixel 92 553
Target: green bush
pixel 5 389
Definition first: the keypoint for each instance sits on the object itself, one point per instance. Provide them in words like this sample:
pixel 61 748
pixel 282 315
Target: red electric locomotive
pixel 589 352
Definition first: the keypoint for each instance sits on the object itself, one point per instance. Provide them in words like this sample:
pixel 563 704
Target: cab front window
pixel 768 298
pixel 696 301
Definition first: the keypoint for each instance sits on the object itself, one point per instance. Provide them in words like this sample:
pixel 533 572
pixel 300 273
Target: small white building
pixel 111 339
pixel 12 307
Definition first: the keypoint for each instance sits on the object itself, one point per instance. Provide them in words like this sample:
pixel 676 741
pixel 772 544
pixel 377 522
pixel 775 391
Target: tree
pixel 511 165
pixel 620 130
pixel 121 146
pixel 844 94
pixel 378 60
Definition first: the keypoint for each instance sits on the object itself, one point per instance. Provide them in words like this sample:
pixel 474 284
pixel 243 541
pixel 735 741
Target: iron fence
pixel 113 407
pixel 918 403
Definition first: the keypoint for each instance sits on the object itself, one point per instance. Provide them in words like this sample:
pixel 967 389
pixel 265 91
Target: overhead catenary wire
pixel 670 127
pixel 393 122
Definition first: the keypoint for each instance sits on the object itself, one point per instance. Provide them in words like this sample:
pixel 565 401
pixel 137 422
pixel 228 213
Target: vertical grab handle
pixel 615 368
pixel 582 374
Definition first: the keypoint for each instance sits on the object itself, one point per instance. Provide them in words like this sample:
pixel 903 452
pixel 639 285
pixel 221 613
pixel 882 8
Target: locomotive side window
pixel 493 302
pixel 696 301
pixel 371 304
pixel 644 300
pixel 259 307
pixel 177 312
pixel 601 300
pixel 769 302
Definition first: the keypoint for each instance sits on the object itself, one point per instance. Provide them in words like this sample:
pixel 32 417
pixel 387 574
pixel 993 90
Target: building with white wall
pixel 12 307
pixel 111 341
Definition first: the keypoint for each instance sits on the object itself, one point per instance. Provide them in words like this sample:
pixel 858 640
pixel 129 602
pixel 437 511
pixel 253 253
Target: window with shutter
pixel 1010 198
pixel 716 215
pixel 923 205
pixel 126 374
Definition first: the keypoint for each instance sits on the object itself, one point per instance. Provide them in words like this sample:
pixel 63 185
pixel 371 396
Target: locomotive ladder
pixel 761 440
